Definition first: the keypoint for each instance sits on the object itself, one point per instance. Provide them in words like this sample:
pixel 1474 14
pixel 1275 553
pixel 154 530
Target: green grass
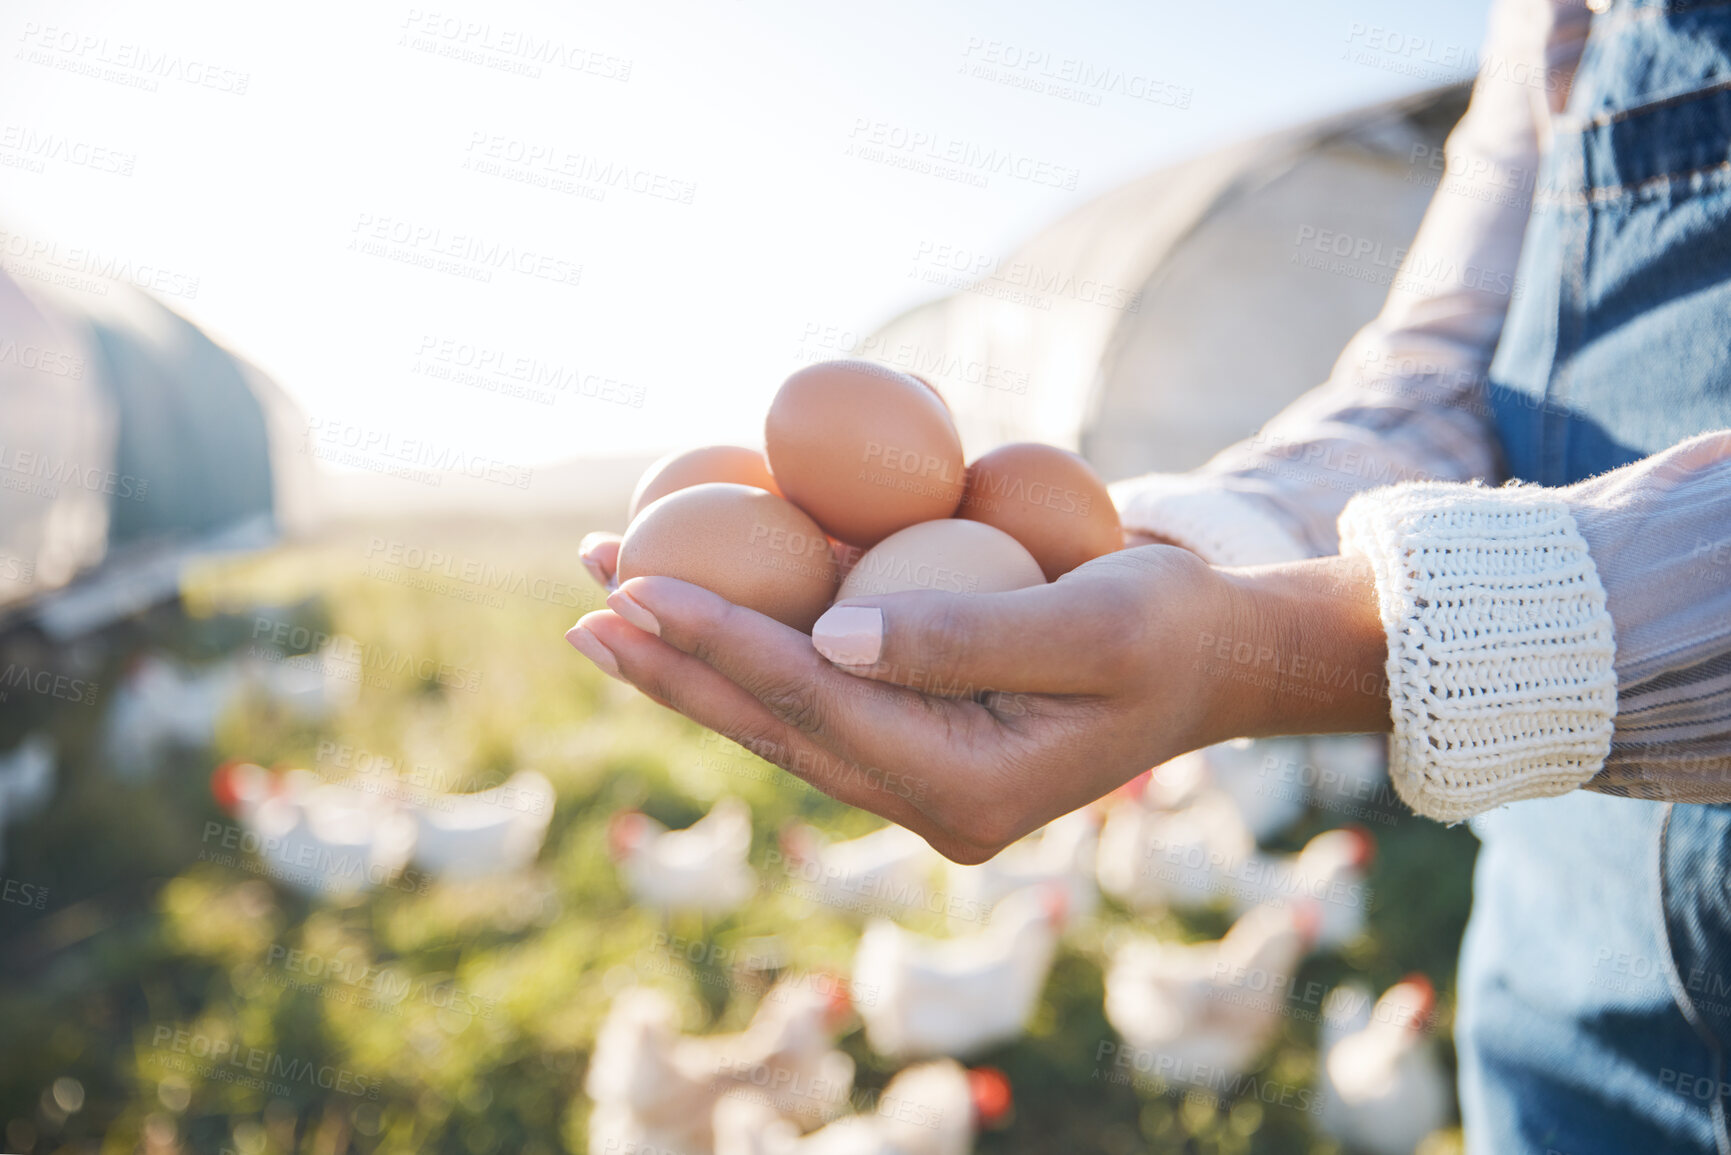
pixel 461 1018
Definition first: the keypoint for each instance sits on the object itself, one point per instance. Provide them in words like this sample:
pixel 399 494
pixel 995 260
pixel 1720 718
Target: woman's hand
pixel 975 719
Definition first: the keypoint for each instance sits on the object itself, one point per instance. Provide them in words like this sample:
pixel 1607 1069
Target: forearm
pixel 1311 637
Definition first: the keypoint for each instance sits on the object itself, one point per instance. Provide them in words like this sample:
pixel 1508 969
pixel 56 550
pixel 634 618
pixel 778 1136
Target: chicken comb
pixel 1424 998
pixel 838 1001
pixel 989 1089
pixel 1137 786
pixel 224 784
pixel 624 833
pixel 1057 903
pixel 1366 853
pixel 797 842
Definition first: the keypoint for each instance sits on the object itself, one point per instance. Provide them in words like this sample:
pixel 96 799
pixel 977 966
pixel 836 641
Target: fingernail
pixel 587 644
pixel 850 635
pixel 633 611
pixel 596 572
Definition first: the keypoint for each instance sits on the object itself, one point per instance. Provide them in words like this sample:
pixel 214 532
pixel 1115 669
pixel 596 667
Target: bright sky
pixel 658 219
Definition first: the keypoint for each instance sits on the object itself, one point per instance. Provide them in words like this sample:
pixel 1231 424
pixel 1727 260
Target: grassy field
pixel 147 967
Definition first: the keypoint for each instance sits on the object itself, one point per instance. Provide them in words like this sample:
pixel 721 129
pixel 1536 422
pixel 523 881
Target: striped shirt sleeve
pixel 1659 533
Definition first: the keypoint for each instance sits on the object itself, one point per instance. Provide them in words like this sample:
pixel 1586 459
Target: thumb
pixel 1049 639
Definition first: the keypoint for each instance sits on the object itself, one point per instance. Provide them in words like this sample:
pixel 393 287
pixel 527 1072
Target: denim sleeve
pixel 1406 400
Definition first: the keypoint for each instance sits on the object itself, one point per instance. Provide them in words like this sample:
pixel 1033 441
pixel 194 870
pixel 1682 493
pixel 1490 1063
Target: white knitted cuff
pixel 1500 649
pixel 1223 527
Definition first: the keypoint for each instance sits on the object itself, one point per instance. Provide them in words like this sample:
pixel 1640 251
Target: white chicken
pixel 657 1088
pixel 160 704
pixel 1150 858
pixel 747 1123
pixel 323 839
pixel 313 836
pixel 1210 1004
pixel 1328 874
pixel 1061 852
pixel 646 1095
pixel 924 997
pixel 1349 767
pixel 788 1048
pixel 241 787
pixel 885 870
pixel 312 686
pixel 702 868
pixel 934 1108
pixel 27 775
pixel 489 832
pixel 1247 771
pixel 336 837
pixel 1383 1088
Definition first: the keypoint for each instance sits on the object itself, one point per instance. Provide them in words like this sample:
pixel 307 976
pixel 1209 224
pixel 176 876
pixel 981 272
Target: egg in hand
pixel 949 555
pixel 863 449
pixel 1049 500
pixel 753 548
pixel 733 463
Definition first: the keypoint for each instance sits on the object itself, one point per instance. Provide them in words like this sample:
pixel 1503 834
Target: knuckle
pixel 708 632
pixel 673 693
pixel 795 703
pixel 947 636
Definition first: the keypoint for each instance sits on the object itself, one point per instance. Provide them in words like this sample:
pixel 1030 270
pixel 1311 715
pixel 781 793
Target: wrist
pixel 1306 653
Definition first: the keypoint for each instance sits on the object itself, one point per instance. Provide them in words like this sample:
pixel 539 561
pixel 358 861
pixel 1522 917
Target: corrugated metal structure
pixel 130 443
pixel 1174 315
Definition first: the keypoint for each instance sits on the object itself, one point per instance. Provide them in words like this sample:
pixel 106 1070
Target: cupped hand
pixel 975 719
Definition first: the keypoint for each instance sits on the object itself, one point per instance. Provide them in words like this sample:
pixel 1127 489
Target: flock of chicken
pixel 331 838
pixel 760 1091
pixel 162 704
pixel 1195 1015
pixel 1186 836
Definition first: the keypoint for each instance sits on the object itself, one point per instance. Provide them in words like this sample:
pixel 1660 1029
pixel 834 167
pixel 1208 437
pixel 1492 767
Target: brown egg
pixel 863 449
pixel 733 463
pixel 936 392
pixel 1049 500
pixel 950 556
pixel 751 547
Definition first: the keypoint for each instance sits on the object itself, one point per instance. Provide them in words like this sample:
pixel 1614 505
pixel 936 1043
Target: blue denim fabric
pixel 1595 981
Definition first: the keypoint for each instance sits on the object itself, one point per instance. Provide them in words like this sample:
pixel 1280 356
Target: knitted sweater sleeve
pixel 1541 640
